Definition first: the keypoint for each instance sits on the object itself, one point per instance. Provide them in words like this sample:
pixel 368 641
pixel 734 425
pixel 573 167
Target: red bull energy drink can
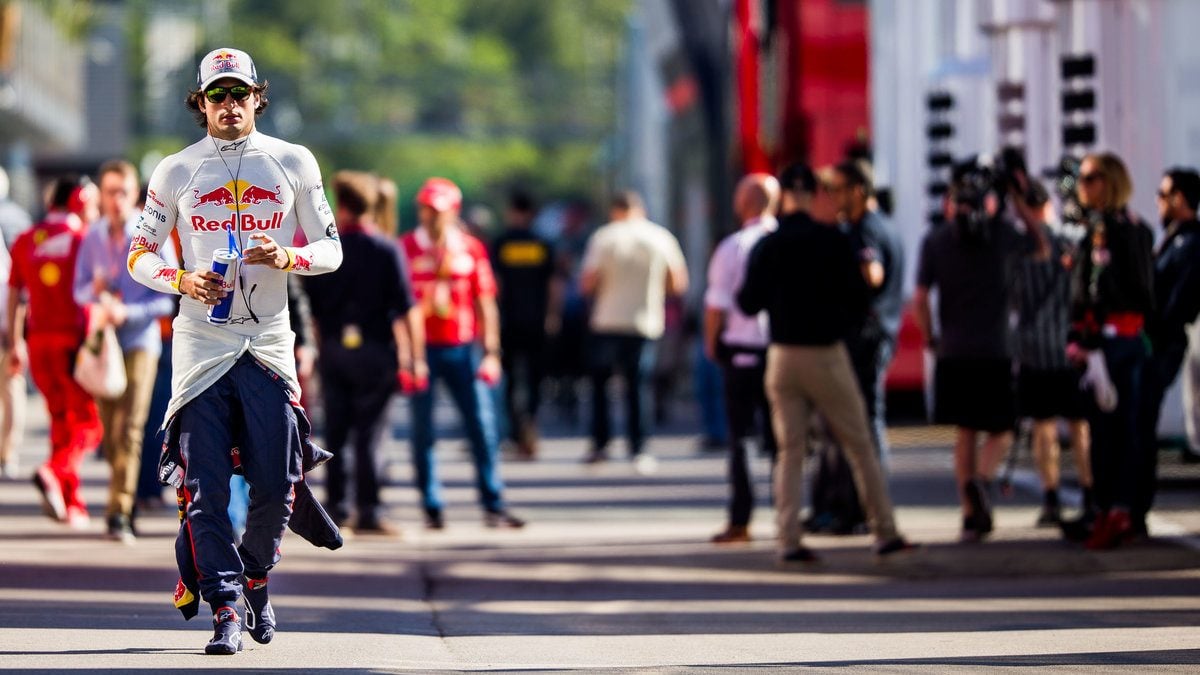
pixel 224 262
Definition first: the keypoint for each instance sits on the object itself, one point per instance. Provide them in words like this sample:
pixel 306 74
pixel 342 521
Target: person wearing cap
pixel 456 290
pixel 41 282
pixel 235 395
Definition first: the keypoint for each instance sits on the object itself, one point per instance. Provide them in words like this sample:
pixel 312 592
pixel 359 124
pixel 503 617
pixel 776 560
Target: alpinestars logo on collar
pixel 232 146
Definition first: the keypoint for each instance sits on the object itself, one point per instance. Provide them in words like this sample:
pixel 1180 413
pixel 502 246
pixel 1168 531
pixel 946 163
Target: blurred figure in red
pixel 454 287
pixel 42 279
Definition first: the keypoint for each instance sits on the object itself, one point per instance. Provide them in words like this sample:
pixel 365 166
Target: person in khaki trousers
pixel 116 300
pixel 806 275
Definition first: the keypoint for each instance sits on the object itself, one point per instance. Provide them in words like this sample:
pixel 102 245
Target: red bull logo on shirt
pixel 236 196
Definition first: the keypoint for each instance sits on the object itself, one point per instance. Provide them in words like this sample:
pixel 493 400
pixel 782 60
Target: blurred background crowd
pixel 543 114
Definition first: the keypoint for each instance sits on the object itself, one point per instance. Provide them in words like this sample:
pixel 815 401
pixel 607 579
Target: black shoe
pixel 120 528
pixel 1050 516
pixel 892 547
pixel 50 489
pixel 227 633
pixel 260 618
pixel 981 511
pixel 1080 529
pixel 502 519
pixel 801 555
pixel 376 527
pixel 596 456
pixel 434 519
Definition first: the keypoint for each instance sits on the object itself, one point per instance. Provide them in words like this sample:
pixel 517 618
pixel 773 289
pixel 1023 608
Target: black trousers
pixel 747 411
pixel 1159 373
pixel 523 358
pixel 356 386
pixel 631 357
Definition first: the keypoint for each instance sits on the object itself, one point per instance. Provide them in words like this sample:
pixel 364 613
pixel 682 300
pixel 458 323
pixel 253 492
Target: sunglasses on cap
pixel 239 92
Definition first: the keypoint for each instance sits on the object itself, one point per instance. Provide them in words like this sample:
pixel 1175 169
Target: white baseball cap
pixel 226 62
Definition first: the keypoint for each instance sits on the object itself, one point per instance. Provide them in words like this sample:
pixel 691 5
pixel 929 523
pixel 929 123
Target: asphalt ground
pixel 615 574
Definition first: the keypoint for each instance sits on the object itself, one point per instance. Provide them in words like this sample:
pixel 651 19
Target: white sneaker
pixel 644 464
pixel 10 468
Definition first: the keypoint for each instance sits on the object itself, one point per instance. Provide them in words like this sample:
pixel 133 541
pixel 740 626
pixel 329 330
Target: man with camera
pixel 967 262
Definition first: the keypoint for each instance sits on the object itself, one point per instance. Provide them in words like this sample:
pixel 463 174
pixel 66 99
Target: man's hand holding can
pixel 204 285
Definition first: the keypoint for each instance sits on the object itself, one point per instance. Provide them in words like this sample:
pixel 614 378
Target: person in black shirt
pixel 1177 300
pixel 968 262
pixel 1112 297
pixel 368 327
pixel 530 292
pixel 806 276
pixel 881 258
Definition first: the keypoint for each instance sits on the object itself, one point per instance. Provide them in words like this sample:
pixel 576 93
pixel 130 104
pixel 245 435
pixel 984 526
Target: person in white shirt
pixel 235 385
pixel 629 268
pixel 739 343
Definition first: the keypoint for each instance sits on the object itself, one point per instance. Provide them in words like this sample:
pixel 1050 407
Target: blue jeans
pixel 456 366
pixel 709 388
pixel 632 357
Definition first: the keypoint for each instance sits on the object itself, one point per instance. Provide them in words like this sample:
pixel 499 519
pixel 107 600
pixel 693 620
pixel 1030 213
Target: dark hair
pixel 798 177
pixel 64 187
pixel 1187 183
pixel 857 173
pixel 626 200
pixel 356 191
pixel 193 103
pixel 521 201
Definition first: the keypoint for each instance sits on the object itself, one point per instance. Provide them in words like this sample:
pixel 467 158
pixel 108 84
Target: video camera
pixel 978 194
pixel 1002 176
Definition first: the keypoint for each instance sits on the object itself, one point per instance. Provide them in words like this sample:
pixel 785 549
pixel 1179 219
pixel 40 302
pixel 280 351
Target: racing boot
pixel 260 618
pixel 227 633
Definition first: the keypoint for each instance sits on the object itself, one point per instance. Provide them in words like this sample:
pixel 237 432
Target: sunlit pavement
pixel 614 573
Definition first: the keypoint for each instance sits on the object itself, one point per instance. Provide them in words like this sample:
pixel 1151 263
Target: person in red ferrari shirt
pixel 453 283
pixel 43 276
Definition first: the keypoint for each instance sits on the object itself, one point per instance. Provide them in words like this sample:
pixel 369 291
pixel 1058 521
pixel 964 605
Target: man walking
pixel 234 383
pixel 629 268
pixel 133 311
pixel 456 291
pixel 739 343
pixel 42 279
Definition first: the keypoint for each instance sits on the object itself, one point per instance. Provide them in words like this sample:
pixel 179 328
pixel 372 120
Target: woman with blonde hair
pixel 1112 296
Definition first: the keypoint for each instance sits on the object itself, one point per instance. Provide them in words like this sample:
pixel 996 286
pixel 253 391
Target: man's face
pixel 118 194
pixel 1092 185
pixel 825 203
pixel 850 200
pixel 229 118
pixel 1168 200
